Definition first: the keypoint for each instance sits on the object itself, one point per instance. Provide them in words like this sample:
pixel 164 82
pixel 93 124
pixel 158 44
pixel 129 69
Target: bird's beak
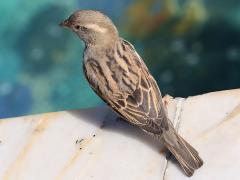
pixel 65 23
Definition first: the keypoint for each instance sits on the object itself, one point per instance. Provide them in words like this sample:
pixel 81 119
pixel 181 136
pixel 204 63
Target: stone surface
pixel 94 144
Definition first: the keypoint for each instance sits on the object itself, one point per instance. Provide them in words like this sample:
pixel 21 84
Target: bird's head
pixel 93 27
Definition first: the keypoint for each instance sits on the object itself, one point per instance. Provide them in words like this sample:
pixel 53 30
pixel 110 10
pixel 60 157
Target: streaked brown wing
pixel 144 106
pixel 135 96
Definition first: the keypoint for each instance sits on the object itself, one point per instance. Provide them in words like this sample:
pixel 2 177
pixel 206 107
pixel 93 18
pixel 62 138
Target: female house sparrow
pixel 120 77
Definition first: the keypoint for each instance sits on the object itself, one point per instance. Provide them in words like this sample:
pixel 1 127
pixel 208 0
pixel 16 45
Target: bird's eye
pixel 83 28
pixel 77 27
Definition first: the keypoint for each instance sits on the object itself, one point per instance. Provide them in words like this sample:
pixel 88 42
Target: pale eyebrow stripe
pixel 96 28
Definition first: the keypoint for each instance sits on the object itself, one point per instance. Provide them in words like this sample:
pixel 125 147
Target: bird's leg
pixel 167 153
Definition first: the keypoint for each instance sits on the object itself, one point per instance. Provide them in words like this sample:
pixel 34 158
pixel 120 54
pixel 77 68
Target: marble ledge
pixel 94 144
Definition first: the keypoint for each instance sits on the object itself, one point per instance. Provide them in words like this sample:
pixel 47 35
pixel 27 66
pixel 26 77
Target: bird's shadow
pixel 109 121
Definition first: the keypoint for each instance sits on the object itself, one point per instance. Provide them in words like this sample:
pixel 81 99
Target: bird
pixel 119 76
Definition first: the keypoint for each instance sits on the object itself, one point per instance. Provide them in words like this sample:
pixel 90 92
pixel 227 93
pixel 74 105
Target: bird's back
pixel 122 80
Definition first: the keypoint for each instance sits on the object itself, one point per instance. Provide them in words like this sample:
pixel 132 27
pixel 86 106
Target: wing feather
pixel 137 97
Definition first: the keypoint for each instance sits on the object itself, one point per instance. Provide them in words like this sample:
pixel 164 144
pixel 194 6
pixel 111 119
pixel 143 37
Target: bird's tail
pixel 185 154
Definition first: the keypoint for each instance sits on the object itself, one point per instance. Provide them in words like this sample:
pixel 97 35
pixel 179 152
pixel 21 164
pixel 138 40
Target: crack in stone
pixel 177 119
pixel 176 122
pixel 165 169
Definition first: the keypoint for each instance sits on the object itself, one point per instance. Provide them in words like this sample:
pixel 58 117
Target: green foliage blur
pixel 190 46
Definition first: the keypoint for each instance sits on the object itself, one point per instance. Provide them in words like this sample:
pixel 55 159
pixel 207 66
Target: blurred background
pixel 190 46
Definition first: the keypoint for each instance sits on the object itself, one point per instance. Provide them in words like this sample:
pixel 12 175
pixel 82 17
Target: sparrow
pixel 119 76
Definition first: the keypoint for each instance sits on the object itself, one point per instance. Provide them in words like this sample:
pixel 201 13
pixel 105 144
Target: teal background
pixel 190 46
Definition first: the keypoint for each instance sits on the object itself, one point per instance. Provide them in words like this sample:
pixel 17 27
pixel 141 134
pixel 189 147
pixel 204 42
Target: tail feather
pixel 185 154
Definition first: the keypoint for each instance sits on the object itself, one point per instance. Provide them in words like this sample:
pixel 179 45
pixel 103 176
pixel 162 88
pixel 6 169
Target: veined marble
pixel 94 144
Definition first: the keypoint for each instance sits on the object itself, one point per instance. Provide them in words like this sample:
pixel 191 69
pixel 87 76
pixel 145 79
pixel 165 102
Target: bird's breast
pixel 108 76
